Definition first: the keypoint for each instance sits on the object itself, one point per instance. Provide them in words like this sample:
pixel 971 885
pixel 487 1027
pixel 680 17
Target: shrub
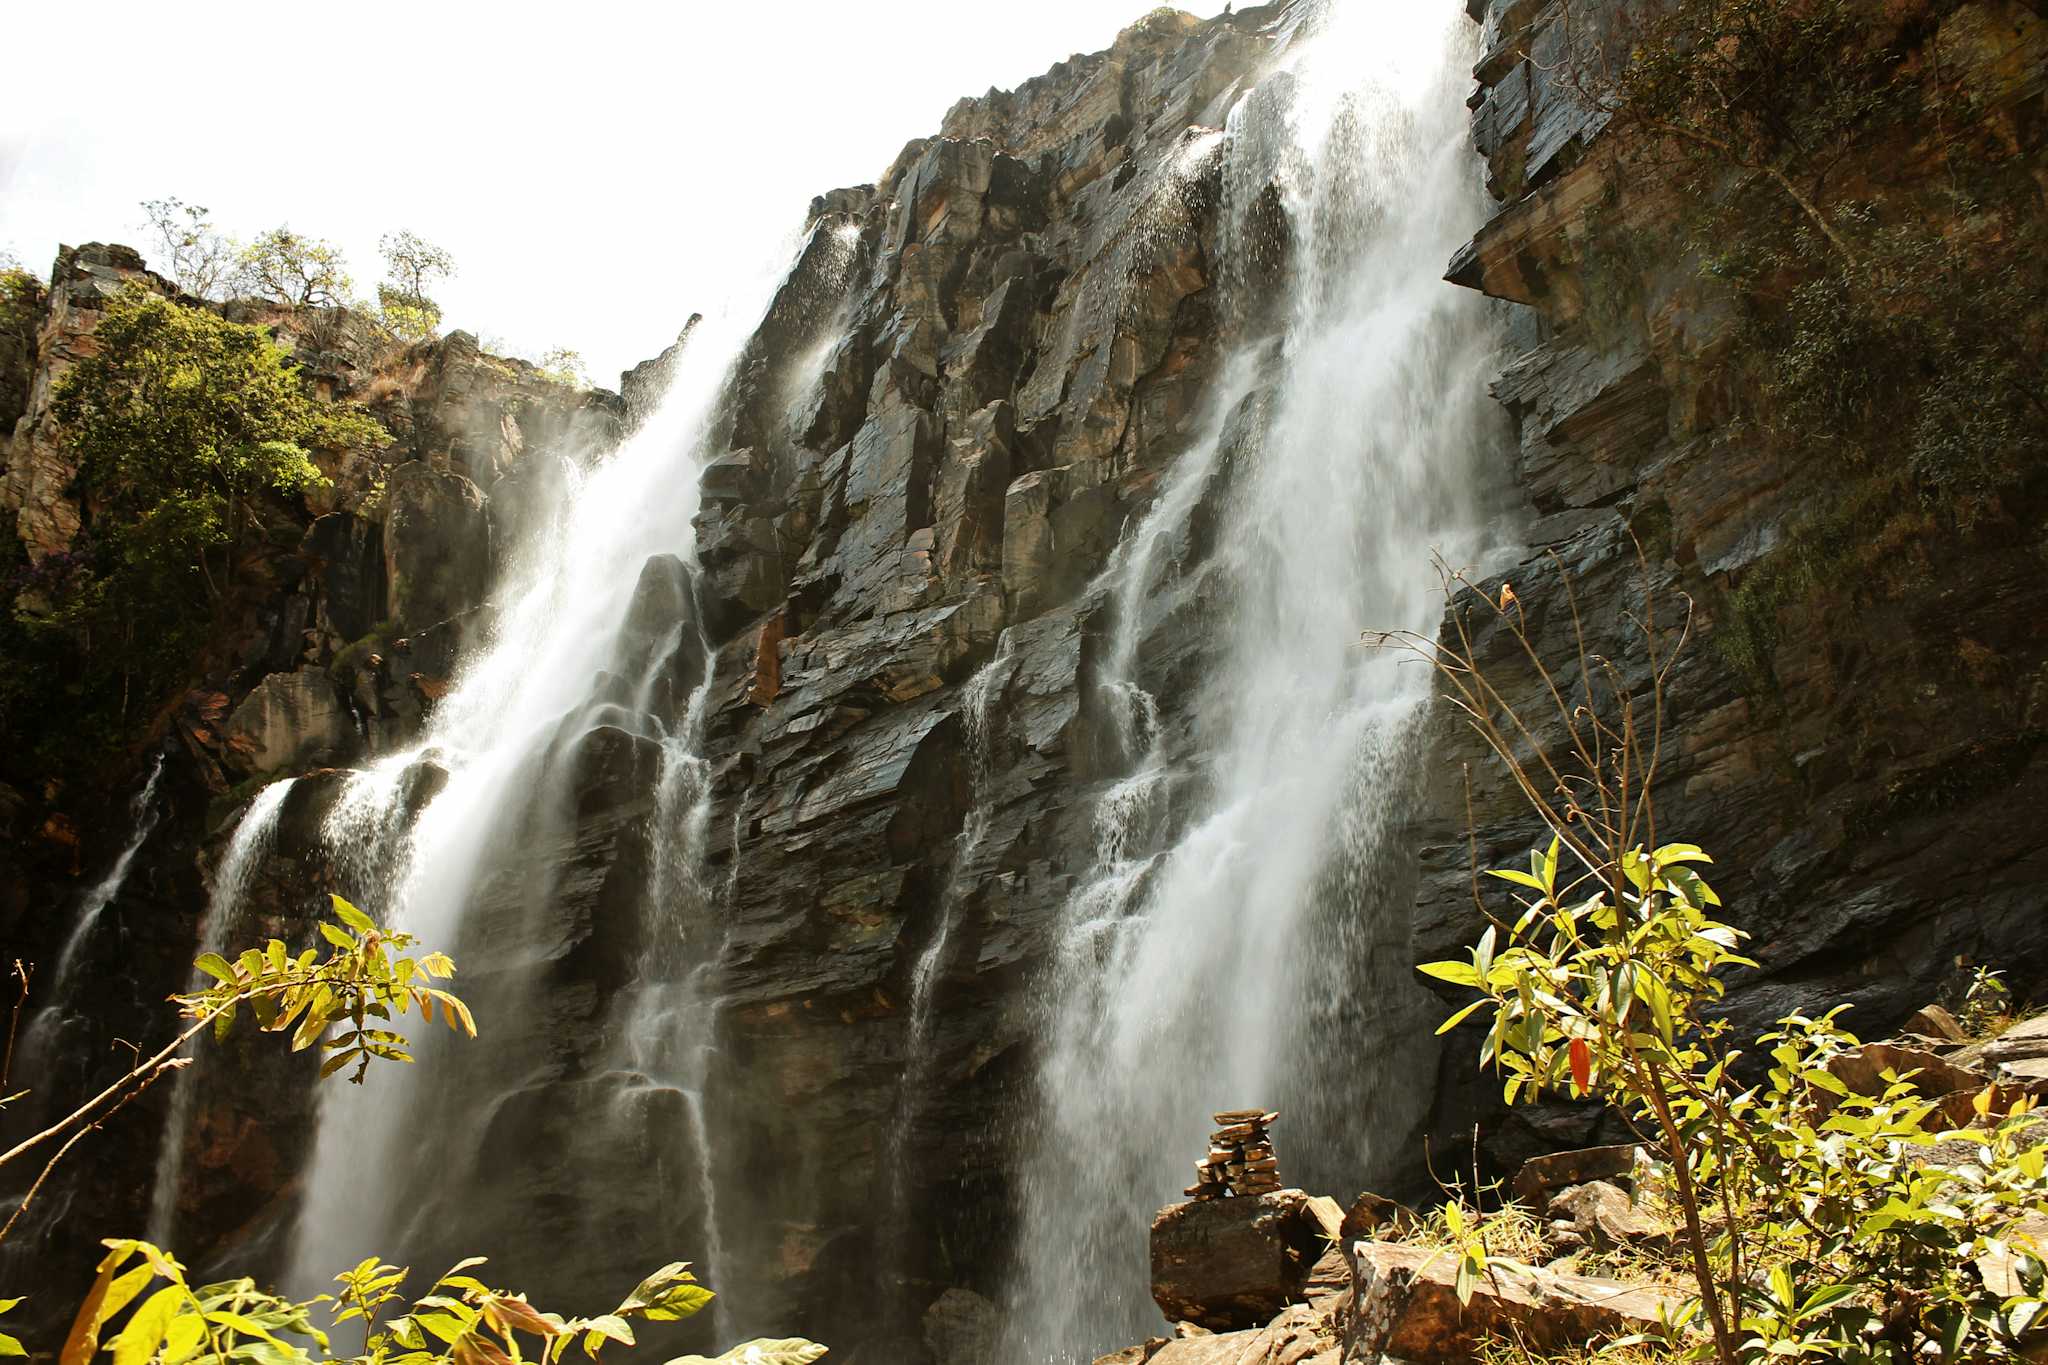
pixel 1817 1223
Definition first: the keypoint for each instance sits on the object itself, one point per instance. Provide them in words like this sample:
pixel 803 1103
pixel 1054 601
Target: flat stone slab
pixel 1407 1307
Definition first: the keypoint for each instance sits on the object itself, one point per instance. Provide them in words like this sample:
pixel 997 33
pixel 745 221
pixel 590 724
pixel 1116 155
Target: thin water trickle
pixel 1220 963
pixel 219 930
pixel 42 1044
pixel 142 817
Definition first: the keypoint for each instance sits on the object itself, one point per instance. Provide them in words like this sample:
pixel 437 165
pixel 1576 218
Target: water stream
pixel 220 930
pixel 580 689
pixel 143 815
pixel 1251 953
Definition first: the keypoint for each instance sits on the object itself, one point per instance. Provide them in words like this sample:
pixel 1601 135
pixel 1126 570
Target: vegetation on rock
pixel 336 1001
pixel 1817 1222
pixel 1855 180
pixel 413 265
pixel 186 428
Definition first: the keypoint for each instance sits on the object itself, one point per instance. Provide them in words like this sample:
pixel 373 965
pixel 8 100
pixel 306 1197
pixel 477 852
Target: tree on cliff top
pixel 294 270
pixel 414 265
pixel 200 259
pixel 180 422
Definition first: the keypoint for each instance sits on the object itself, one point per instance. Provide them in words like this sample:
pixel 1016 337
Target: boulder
pixel 1406 1305
pixel 1370 1214
pixel 1299 1336
pixel 1133 1355
pixel 2017 1057
pixel 1602 1215
pixel 1233 1263
pixel 961 1327
pixel 289 722
pixel 1863 1070
pixel 1541 1175
pixel 1936 1024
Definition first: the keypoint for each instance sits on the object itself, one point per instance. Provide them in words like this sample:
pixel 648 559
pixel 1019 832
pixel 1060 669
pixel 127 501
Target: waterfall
pixel 45 1054
pixel 142 814
pixel 219 932
pixel 979 698
pixel 1254 953
pixel 142 817
pixel 593 677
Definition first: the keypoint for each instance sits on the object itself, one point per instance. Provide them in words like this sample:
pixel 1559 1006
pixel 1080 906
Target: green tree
pixel 294 270
pixel 21 294
pixel 181 421
pixel 188 429
pixel 564 366
pixel 413 266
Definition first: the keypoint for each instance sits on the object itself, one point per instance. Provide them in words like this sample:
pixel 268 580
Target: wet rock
pixel 961 1328
pixel 1407 1307
pixel 347 554
pixel 1231 1263
pixel 288 723
pixel 437 545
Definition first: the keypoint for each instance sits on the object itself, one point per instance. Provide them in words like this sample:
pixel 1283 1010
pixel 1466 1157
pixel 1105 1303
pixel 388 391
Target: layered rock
pixel 1866 790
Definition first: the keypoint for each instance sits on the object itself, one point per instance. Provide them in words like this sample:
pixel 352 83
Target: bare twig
pixel 142 1082
pixel 22 972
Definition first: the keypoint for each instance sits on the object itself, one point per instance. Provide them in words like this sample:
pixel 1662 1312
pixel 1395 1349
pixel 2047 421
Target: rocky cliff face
pixel 979 367
pixel 1868 790
pixel 975 375
pixel 344 633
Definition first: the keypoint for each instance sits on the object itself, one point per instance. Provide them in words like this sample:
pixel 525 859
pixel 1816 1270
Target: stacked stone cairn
pixel 1240 1160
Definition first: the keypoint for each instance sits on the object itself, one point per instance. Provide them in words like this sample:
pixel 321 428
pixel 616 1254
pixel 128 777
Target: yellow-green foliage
pixel 188 430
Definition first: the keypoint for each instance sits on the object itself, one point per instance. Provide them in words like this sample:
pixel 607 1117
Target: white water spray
pixel 221 927
pixel 520 707
pixel 1233 964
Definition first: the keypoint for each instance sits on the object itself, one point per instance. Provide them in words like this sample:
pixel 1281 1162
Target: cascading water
pixel 1253 955
pixel 593 677
pixel 977 721
pixel 142 815
pixel 221 928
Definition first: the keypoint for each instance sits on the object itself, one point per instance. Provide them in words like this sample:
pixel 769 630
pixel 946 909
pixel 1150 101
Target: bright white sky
pixel 593 165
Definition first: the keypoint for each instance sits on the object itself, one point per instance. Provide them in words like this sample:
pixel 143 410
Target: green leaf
pixel 1460 1017
pixel 10 1347
pixel 147 1326
pixel 1509 874
pixel 1457 973
pixel 337 936
pixel 352 917
pixel 215 966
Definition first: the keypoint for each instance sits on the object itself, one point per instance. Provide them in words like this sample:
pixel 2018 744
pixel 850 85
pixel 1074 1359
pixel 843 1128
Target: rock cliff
pixel 1866 778
pixel 975 375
